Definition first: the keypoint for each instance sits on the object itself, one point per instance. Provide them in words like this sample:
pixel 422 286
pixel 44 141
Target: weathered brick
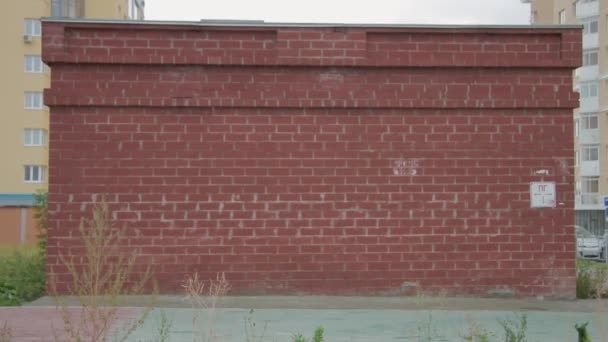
pixel 254 151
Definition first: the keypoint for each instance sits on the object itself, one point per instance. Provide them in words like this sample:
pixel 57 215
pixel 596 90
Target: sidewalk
pixel 356 319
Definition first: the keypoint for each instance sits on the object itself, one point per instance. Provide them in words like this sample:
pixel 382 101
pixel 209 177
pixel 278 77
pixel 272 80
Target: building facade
pixel 25 119
pixel 591 118
pixel 323 159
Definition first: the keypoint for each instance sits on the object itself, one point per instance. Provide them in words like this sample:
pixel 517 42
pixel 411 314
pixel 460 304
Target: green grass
pixel 583 264
pixel 22 276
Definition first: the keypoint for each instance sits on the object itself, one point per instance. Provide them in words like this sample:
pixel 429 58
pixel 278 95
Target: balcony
pixel 589 104
pixel 586 8
pixel 589 168
pixel 589 136
pixel 591 41
pixel 587 73
pixel 589 201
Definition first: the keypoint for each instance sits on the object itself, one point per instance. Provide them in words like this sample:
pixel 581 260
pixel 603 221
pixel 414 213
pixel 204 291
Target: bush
pixel 591 278
pixel 23 278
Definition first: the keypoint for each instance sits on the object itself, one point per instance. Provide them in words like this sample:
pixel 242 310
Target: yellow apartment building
pixel 591 118
pixel 25 119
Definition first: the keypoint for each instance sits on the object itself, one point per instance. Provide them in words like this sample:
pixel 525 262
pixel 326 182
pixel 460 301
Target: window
pixel 67 8
pixel 590 184
pixel 576 129
pixel 590 57
pixel 34 137
pixel 34 64
pixel 589 152
pixel 561 17
pixel 576 157
pixel 33 100
pixel 32 27
pixel 33 173
pixel 589 122
pixel 588 89
pixel 590 26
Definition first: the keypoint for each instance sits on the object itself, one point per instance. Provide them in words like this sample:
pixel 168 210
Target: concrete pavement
pixel 344 318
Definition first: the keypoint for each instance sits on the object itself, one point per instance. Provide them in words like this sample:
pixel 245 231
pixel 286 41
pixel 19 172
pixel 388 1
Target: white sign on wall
pixel 542 194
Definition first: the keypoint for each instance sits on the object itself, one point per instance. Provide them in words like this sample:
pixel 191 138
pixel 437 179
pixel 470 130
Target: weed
pixel 6 332
pixel 98 278
pixel 583 335
pixel 317 337
pixel 427 331
pixel 516 328
pixel 298 338
pixel 251 335
pixel 202 299
pixel 476 333
pixel 163 327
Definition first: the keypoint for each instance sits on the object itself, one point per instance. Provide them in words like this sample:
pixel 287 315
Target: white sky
pixel 472 12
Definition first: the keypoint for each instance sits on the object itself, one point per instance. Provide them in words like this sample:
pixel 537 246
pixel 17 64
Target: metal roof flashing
pixel 261 23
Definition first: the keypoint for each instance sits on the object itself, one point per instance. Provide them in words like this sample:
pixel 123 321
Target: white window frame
pixel 34 137
pixel 589 121
pixel 561 16
pixel 588 89
pixel 33 100
pixel 591 57
pixel 33 64
pixel 32 27
pixel 591 25
pixel 590 153
pixel 34 173
pixel 590 183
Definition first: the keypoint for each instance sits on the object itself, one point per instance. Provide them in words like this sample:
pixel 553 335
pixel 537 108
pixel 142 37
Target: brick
pixel 257 152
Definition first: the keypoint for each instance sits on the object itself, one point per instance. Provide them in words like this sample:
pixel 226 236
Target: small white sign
pixel 542 194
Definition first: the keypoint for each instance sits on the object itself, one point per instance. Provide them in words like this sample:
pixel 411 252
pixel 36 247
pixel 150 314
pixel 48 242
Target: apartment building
pixel 591 119
pixel 25 119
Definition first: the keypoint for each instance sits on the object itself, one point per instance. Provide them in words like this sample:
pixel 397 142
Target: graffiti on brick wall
pixel 405 167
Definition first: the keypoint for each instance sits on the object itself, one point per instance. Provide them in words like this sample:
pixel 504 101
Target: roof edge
pixel 260 23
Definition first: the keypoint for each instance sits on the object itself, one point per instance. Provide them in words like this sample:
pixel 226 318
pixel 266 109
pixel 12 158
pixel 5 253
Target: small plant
pixel 515 329
pixel 317 337
pixel 298 338
pixel 6 332
pixel 98 278
pixel 427 331
pixel 251 334
pixel 163 327
pixel 202 298
pixel 476 333
pixel 583 335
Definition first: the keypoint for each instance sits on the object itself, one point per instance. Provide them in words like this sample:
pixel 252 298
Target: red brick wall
pixel 347 160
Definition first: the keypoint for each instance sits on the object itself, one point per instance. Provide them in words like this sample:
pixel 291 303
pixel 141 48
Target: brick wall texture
pixel 319 160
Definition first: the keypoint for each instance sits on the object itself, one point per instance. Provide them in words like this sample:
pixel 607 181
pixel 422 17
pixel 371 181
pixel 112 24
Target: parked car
pixel 589 246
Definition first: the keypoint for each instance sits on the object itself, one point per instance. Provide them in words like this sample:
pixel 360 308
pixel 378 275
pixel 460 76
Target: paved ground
pixel 356 319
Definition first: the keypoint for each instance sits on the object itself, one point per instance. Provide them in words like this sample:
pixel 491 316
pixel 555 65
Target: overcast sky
pixel 497 12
